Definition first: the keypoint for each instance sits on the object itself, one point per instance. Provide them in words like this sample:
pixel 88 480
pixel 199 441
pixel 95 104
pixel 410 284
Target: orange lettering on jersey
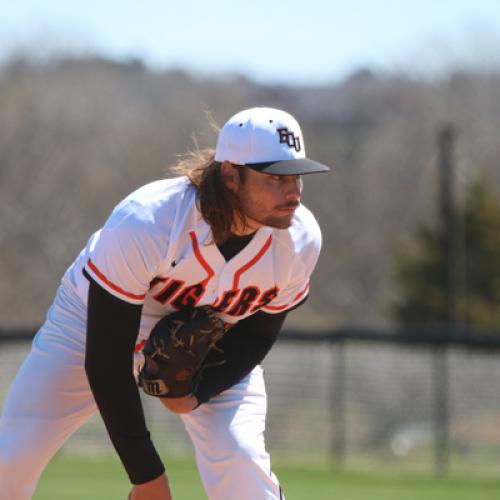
pixel 168 291
pixel 245 301
pixel 189 296
pixel 235 302
pixel 295 299
pixel 225 301
pixel 266 297
pixel 156 280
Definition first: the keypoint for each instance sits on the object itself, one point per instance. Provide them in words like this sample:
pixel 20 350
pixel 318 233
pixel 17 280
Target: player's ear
pixel 230 176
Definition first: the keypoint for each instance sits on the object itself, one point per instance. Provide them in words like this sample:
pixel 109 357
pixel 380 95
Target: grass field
pixel 72 478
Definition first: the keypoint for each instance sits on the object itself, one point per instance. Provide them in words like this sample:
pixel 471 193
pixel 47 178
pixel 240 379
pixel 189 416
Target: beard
pixel 252 213
pixel 283 222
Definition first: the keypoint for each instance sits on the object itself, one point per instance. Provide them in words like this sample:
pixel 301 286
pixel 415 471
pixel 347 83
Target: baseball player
pixel 230 233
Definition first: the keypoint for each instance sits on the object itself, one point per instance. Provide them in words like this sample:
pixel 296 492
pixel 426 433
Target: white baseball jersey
pixel 155 249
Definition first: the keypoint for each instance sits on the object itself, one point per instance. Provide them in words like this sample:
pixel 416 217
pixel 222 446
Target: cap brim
pixel 289 167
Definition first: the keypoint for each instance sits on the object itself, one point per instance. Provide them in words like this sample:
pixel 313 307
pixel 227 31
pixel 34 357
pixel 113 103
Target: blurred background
pixel 396 353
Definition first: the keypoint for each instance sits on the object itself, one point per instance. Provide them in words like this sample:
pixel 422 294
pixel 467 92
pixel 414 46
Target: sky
pixel 271 41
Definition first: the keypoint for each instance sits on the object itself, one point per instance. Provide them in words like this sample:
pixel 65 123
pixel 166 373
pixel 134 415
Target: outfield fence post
pixel 441 410
pixel 338 401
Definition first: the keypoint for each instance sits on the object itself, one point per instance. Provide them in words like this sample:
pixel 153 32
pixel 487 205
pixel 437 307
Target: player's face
pixel 269 200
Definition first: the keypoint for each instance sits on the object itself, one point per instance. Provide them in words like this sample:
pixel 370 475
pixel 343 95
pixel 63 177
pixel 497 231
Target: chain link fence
pixel 404 401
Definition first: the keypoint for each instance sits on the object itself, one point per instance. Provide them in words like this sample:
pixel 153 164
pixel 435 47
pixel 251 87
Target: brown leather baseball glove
pixel 176 351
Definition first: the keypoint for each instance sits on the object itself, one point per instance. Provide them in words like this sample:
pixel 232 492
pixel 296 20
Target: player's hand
pixel 184 404
pixel 157 489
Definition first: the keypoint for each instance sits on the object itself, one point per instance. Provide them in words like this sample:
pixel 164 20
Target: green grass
pixel 76 478
pixel 103 478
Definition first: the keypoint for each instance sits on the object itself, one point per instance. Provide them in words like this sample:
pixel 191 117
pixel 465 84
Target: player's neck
pixel 233 245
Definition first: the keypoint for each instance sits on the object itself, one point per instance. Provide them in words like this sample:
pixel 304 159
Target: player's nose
pixel 294 187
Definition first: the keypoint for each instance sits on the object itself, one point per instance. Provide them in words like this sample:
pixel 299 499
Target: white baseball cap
pixel 267 140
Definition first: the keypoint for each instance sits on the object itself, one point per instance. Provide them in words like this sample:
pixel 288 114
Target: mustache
pixel 290 204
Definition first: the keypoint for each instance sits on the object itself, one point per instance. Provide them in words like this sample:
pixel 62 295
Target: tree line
pixel 76 135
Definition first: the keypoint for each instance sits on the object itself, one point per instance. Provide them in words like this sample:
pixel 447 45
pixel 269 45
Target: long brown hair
pixel 218 205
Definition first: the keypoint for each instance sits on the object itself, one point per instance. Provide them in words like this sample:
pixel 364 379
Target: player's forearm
pixel 244 358
pixel 243 348
pixel 111 335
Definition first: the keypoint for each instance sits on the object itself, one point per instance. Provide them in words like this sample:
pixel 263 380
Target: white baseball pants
pixel 50 399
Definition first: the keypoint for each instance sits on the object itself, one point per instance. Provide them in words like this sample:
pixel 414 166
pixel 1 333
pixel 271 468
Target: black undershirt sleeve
pixel 242 348
pixel 112 330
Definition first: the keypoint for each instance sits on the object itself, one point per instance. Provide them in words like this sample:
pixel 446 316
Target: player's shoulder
pixel 303 235
pixel 155 195
pixel 299 245
pixel 154 205
pixel 304 224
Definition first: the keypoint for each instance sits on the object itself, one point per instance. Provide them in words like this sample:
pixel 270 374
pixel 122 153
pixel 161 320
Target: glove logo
pixel 152 387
